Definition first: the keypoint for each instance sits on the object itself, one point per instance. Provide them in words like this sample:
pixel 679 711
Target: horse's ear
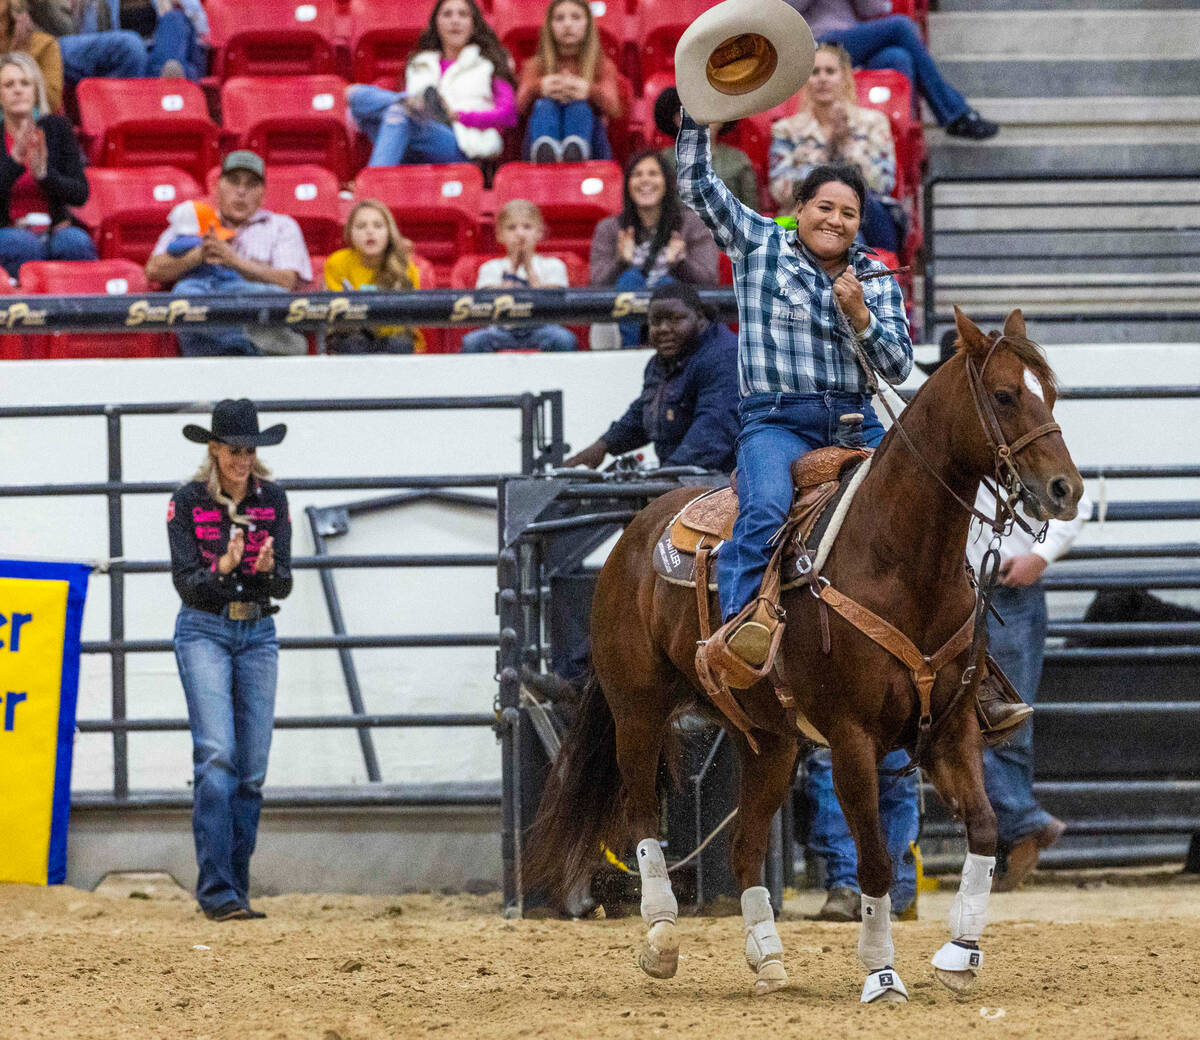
pixel 1014 324
pixel 969 334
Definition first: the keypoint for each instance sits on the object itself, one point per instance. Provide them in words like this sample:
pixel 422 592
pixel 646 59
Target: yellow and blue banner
pixel 41 611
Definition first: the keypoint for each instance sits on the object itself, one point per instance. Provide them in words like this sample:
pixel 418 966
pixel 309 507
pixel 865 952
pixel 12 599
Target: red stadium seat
pixel 571 196
pixel 307 194
pixel 272 37
pixel 437 207
pixel 127 209
pixel 662 23
pixel 518 23
pixel 77 277
pixel 383 36
pixel 147 122
pixel 890 92
pixel 289 120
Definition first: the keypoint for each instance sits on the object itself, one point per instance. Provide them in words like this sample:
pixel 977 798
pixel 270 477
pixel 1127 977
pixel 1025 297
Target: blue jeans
pixel 894 42
pixel 558 121
pixel 776 429
pixel 1017 646
pixel 632 279
pixel 228 669
pixel 175 38
pixel 204 281
pixel 879 226
pixel 526 337
pixel 116 54
pixel 18 246
pixel 829 837
pixel 399 136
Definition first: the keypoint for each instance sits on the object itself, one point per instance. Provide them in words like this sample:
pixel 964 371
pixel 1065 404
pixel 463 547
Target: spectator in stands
pixel 458 95
pixel 688 404
pixel 569 88
pixel 41 173
pixel 230 534
pixel 655 238
pixel 1017 642
pixel 376 256
pixel 894 42
pixel 731 165
pixel 19 34
pixel 126 39
pixel 519 228
pixel 832 128
pixel 265 254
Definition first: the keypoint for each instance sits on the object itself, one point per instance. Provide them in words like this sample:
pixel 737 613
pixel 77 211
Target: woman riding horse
pixel 800 299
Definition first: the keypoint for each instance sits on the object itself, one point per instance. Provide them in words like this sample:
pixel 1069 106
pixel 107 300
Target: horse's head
pixel 1014 393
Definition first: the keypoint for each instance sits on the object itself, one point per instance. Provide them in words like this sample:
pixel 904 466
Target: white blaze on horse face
pixel 1035 385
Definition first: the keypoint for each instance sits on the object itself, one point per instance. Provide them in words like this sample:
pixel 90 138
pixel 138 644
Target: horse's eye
pixel 1003 397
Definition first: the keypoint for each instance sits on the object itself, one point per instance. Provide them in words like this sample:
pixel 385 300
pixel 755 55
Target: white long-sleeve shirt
pixel 1060 534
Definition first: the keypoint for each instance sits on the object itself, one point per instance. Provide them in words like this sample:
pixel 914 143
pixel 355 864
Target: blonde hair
pixel 210 476
pixel 515 209
pixel 41 104
pixel 393 272
pixel 844 60
pixel 589 48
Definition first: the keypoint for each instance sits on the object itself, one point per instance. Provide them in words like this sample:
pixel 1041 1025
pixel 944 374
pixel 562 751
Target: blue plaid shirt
pixel 789 340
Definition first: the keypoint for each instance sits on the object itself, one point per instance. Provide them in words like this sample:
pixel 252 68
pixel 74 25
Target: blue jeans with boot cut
pixel 228 669
pixel 1017 646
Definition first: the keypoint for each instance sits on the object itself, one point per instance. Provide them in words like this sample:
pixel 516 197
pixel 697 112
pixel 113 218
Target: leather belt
pixel 243 611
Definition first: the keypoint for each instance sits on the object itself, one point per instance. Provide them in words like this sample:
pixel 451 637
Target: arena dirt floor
pixel 1092 956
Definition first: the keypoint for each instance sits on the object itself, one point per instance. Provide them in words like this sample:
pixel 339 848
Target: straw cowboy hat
pixel 742 57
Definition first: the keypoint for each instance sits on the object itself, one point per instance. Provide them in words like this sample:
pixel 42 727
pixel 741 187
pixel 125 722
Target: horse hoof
pixel 771 976
pixel 660 955
pixel 958 981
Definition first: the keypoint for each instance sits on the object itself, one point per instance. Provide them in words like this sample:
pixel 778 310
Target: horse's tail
pixel 583 807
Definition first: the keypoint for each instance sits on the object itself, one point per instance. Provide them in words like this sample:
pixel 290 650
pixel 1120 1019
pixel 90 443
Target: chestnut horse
pixel 901 554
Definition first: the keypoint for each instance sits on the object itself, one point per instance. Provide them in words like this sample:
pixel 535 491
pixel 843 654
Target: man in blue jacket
pixel 688 405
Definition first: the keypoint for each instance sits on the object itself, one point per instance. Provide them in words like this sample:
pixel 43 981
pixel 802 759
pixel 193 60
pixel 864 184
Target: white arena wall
pixel 597 388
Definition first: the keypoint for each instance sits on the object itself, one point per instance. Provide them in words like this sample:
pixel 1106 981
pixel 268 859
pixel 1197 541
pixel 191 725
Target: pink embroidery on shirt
pixel 207 533
pixel 206 516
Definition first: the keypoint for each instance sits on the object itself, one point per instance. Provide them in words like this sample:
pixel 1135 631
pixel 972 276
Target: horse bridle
pixel 1005 473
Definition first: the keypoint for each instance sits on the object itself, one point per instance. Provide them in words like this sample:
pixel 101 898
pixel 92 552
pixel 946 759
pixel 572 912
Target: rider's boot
pixel 740 650
pixel 1000 708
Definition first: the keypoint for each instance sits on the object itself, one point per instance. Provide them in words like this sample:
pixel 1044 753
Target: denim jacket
pixel 688 406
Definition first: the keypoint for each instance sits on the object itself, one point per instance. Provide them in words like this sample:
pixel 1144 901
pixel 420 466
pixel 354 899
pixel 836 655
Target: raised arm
pixel 737 229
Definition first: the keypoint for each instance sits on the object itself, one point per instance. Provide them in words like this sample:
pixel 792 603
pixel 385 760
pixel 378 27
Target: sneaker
pixel 172 69
pixel 842 904
pixel 545 150
pixel 972 125
pixel 575 149
pixel 229 912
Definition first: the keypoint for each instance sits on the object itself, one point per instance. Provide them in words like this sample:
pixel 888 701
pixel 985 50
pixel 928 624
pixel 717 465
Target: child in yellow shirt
pixel 376 257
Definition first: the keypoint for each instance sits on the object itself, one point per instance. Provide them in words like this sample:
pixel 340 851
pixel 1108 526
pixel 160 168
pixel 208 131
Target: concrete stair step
pixel 1012 113
pixel 1069 76
pixel 1048 154
pixel 1073 192
pixel 955 6
pixel 1056 299
pixel 1050 268
pixel 1147 35
pixel 1100 282
pixel 1144 217
pixel 1088 330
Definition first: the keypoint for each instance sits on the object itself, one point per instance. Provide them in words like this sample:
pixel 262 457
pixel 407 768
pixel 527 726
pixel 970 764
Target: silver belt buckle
pixel 240 611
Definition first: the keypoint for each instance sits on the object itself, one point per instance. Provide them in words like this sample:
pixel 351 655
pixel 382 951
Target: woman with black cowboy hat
pixel 230 535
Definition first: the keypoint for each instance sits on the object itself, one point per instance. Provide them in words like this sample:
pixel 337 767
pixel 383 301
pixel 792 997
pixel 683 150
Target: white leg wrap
pixel 658 901
pixel 881 982
pixel 875 947
pixel 968 913
pixel 762 939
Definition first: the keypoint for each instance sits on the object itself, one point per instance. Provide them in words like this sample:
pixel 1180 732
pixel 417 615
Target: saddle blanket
pixel 679 566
